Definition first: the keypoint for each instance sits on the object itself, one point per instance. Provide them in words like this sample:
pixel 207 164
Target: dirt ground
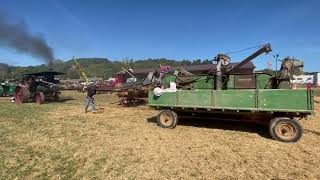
pixel 60 141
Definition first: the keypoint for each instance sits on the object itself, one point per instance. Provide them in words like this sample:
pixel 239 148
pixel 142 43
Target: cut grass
pixel 59 141
pixel 316 91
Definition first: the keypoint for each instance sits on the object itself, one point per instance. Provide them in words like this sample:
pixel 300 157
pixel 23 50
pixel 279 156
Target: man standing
pixel 90 98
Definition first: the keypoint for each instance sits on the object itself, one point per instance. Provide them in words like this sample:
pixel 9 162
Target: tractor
pixel 38 87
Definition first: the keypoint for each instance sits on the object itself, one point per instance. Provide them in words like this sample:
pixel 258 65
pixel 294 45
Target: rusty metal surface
pixel 265 49
pixel 245 81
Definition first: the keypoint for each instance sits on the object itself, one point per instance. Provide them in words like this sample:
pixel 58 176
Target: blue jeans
pixel 89 101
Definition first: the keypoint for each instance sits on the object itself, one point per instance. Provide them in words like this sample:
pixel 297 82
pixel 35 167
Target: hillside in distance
pixel 94 67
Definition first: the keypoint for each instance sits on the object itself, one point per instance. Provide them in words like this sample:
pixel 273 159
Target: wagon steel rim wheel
pixel 17 99
pixel 166 119
pixel 286 130
pixel 38 99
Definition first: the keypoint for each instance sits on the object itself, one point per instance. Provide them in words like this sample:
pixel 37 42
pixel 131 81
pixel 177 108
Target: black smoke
pixel 4 68
pixel 18 37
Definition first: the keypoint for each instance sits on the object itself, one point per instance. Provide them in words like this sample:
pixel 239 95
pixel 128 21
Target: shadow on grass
pixel 202 122
pixel 65 99
pixel 49 101
pixel 61 100
pixel 316 91
pixel 132 103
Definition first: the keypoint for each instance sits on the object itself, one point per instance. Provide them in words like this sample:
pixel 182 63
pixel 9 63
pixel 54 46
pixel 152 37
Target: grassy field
pixel 317 91
pixel 59 141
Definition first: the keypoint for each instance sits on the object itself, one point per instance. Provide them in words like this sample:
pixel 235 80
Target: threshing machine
pixel 226 94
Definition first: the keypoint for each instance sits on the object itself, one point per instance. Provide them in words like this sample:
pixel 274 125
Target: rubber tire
pixel 273 123
pixel 174 122
pixel 57 97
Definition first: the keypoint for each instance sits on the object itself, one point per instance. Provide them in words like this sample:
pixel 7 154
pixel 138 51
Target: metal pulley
pixel 224 59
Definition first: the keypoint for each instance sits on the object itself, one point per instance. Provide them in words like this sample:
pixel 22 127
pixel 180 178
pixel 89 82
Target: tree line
pixel 94 67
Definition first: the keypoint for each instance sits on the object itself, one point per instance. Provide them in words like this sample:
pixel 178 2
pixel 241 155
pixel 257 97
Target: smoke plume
pixel 4 68
pixel 18 37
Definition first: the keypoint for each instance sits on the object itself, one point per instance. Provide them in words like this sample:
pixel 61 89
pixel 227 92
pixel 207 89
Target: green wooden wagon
pixel 226 92
pixel 279 108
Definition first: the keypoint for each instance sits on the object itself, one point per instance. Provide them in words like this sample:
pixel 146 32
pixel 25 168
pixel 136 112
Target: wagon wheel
pixel 285 129
pixel 167 119
pixel 18 96
pixel 57 97
pixel 40 98
pixel 124 102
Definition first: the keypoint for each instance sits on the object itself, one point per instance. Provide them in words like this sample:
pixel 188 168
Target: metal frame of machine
pixel 7 88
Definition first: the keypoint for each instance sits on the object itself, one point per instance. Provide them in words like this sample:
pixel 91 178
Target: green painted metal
pixel 169 78
pixel 165 99
pixel 275 100
pixel 7 89
pixel 200 82
pixel 262 81
pixel 195 98
pixel 230 84
pixel 1 91
pixel 259 97
pixel 11 90
pixel 203 82
pixel 235 99
pixel 283 99
pixel 207 81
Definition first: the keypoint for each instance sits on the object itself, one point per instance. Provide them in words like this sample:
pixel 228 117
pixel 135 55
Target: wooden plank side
pixel 283 99
pixel 166 99
pixel 194 98
pixel 235 99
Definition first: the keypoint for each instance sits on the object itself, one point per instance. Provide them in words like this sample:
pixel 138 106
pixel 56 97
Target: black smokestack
pixel 18 37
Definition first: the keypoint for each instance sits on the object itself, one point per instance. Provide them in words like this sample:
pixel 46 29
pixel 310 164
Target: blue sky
pixel 175 29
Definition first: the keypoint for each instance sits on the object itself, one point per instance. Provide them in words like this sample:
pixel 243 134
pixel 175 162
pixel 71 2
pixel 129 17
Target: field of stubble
pixel 59 141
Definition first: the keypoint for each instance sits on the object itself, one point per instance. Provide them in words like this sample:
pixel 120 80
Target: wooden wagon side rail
pixel 269 100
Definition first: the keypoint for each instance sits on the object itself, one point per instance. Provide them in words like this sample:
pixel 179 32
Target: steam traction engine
pixel 38 87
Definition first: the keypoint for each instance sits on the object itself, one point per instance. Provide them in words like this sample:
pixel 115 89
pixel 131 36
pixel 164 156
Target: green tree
pixel 186 62
pixel 207 61
pixel 197 61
